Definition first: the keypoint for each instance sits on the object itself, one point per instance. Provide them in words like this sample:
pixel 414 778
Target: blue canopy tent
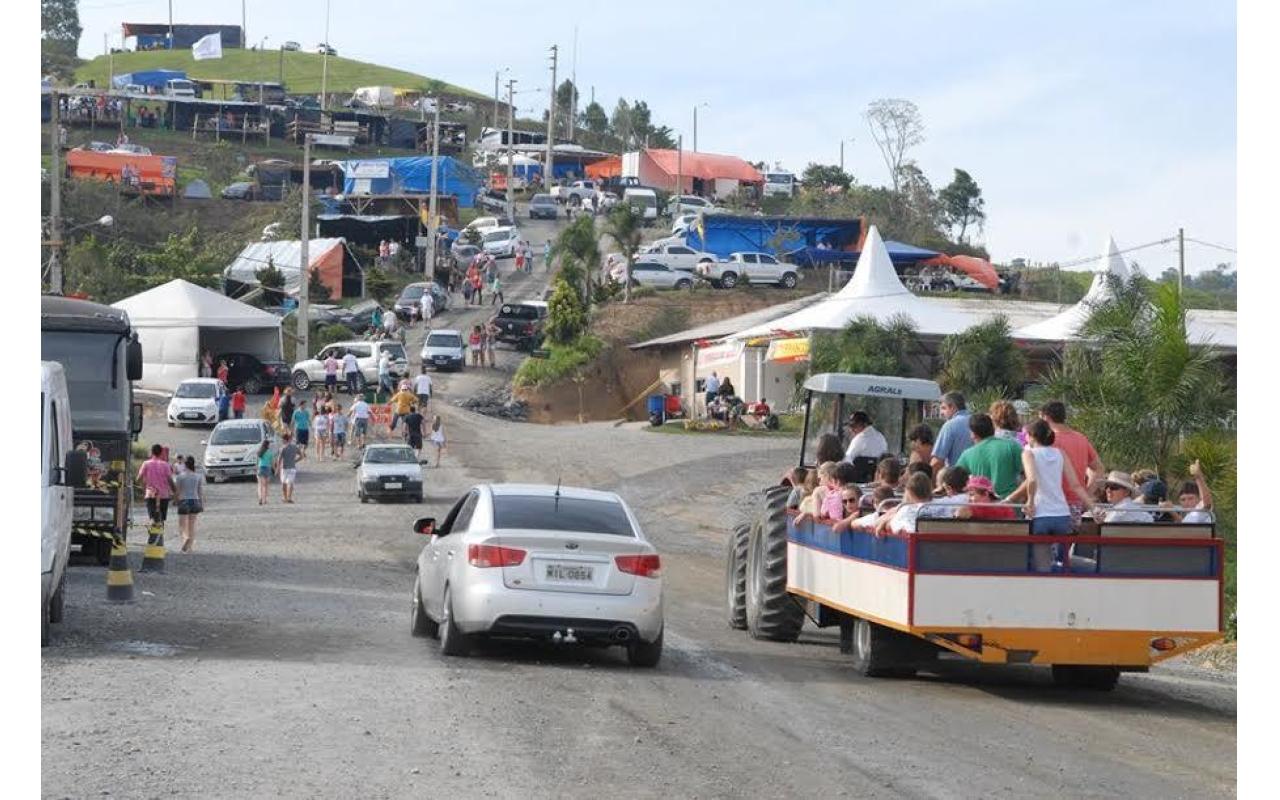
pixel 412 175
pixel 153 78
pixel 724 234
pixel 900 254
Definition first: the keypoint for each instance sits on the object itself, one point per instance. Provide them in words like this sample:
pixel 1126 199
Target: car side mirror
pixel 133 360
pixel 425 526
pixel 75 472
pixel 135 419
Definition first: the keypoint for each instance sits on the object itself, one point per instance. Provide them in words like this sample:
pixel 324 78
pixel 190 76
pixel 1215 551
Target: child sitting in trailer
pixel 811 505
pixel 903 518
pixel 866 522
pixel 981 491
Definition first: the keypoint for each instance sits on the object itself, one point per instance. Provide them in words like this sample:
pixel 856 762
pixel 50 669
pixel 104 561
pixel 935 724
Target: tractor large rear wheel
pixel 735 578
pixel 772 613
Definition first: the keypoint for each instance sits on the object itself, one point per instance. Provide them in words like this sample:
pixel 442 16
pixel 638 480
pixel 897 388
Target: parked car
pixel 179 87
pixel 488 224
pixel 501 242
pixel 686 203
pixel 325 50
pixel 608 201
pixel 521 324
pixel 749 267
pixel 643 201
pixel 254 375
pixel 543 206
pixel 410 298
pixel 310 371
pixel 576 193
pixel 231 451
pixel 195 400
pixel 240 190
pixel 650 273
pixel 357 318
pixel 292 47
pixel 389 471
pixel 551 563
pixel 462 254
pixel 676 256
pixel 444 349
pixel 683 223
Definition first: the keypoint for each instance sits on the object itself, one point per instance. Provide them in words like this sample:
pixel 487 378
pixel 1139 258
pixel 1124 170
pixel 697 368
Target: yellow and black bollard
pixel 153 555
pixel 119 578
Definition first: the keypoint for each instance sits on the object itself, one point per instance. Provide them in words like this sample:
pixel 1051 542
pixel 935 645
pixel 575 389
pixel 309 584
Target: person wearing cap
pixel 953 438
pixel 866 441
pixel 980 491
pixel 1120 491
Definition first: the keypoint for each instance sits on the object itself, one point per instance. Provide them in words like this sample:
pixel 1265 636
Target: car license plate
pixel 441 359
pixel 189 415
pixel 393 485
pixel 569 572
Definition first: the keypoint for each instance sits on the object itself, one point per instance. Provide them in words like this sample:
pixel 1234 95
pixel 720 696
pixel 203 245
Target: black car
pixel 241 190
pixel 411 298
pixel 462 255
pixel 543 206
pixel 358 318
pixel 521 323
pixel 252 373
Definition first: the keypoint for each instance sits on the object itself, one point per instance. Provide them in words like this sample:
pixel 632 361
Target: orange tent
pixel 154 174
pixel 707 166
pixel 605 168
pixel 978 269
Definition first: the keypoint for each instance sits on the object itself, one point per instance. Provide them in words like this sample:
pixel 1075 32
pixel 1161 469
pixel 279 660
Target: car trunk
pixel 558 561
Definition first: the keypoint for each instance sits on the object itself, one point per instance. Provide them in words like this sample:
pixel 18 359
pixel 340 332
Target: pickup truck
pixel 575 193
pixel 749 267
pixel 521 324
pixel 675 256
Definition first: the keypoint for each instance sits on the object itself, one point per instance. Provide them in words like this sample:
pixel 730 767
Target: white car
pixel 683 223
pixel 501 242
pixel 551 563
pixel 676 256
pixel 389 470
pixel 311 371
pixel 484 224
pixel 292 47
pixel 195 401
pixel 759 268
pixel 685 204
pixel 444 349
pixel 608 200
pixel 231 451
pixel 659 276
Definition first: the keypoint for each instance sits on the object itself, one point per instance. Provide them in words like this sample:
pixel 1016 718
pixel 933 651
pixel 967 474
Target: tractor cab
pixel 895 406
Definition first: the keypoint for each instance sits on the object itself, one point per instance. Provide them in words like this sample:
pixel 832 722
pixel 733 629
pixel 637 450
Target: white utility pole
pixel 679 167
pixel 431 210
pixel 511 138
pixel 55 197
pixel 304 256
pixel 496 73
pixel 551 123
pixel 1182 261
pixel 324 64
pixel 573 115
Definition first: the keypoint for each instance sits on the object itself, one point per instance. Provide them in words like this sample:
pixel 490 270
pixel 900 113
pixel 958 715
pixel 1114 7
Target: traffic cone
pixel 119 578
pixel 153 555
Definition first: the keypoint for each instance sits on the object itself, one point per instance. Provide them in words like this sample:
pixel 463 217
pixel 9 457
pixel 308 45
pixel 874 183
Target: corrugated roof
pixel 730 326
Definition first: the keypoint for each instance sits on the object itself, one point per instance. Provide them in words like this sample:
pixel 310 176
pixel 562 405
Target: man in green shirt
pixel 992 457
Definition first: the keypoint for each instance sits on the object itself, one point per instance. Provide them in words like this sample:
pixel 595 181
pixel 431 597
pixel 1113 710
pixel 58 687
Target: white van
pixel 179 87
pixel 62 468
pixel 643 201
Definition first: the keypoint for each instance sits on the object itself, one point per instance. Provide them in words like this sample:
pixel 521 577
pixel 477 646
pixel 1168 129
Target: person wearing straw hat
pixel 1120 491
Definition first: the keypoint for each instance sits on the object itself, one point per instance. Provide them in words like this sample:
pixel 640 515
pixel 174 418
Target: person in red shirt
pixel 982 491
pixel 238 403
pixel 223 371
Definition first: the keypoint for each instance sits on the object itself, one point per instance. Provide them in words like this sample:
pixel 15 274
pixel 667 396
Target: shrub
pixel 379 286
pixel 566 315
pixel 562 361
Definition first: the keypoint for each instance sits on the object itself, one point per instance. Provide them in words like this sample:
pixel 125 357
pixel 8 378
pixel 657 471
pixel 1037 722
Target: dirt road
pixel 276 660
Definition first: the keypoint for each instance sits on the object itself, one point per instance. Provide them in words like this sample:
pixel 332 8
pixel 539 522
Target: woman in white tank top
pixel 1044 466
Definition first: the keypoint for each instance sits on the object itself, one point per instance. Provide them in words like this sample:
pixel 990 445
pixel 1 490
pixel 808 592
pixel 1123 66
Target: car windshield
pixel 395 350
pixel 497 236
pixel 236 434
pixel 774 177
pixel 549 513
pixel 412 293
pixel 542 200
pixel 197 390
pixel 520 312
pixel 444 340
pixel 390 455
pixel 647 200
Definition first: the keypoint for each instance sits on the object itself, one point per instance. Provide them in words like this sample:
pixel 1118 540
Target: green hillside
pixel 301 72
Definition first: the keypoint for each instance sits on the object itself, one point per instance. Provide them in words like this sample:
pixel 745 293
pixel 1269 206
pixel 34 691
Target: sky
pixel 1078 120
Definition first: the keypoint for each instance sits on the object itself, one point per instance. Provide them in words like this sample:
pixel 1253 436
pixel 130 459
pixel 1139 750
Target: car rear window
pixel 520 312
pixel 537 512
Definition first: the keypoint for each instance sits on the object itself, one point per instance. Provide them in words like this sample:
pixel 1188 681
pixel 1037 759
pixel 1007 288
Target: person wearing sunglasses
pixel 1120 491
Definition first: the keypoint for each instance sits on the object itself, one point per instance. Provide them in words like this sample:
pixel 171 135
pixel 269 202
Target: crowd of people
pixel 724 404
pixel 986 466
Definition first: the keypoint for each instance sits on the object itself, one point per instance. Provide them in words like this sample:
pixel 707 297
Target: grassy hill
pixel 301 71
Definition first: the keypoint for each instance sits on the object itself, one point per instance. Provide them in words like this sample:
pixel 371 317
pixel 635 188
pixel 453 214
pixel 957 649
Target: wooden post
pixel 195 126
pixel 244 129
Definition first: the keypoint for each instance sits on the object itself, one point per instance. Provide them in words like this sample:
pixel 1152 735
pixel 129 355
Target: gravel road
pixel 276 660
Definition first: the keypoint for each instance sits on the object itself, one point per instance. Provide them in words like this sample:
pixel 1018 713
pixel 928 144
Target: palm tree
pixel 623 226
pixel 983 359
pixel 579 254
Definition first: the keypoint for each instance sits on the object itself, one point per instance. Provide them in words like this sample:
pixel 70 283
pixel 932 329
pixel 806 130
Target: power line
pixel 1211 244
pixel 1088 259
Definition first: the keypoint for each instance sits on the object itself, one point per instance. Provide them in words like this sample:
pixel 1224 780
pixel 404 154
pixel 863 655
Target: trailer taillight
pixel 1164 643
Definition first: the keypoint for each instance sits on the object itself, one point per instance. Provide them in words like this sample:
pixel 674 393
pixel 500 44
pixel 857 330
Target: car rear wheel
pixel 251 386
pixel 645 654
pixel 301 381
pixel 684 284
pixel 729 280
pixel 453 642
pixel 419 623
pixel 789 280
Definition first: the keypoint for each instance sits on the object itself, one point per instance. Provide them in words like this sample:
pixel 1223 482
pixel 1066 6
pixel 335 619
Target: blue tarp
pixel 899 253
pixel 156 78
pixel 412 175
pixel 731 233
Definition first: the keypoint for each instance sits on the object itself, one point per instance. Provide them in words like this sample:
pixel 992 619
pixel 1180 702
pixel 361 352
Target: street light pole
pixel 324 66
pixel 304 255
pixel 551 123
pixel 435 167
pixel 55 197
pixel 511 127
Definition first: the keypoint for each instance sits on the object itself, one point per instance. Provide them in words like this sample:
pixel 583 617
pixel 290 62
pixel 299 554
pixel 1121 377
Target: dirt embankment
pixel 621 375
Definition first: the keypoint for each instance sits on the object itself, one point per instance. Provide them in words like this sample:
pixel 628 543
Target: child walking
pixel 437 436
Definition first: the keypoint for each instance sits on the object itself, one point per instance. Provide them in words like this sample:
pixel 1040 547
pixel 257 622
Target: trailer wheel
pixel 735 577
pixel 880 652
pixel 1080 676
pixel 772 613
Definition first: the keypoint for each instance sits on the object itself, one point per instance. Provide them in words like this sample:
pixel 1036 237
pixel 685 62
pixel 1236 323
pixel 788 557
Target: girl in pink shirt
pixel 156 477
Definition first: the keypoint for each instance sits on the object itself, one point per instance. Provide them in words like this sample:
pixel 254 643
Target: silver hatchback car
pixel 553 563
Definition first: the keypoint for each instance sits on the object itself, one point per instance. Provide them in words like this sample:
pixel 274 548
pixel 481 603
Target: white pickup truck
pixel 576 193
pixel 750 268
pixel 675 256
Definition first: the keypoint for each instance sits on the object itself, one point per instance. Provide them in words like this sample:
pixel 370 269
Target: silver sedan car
pixel 553 563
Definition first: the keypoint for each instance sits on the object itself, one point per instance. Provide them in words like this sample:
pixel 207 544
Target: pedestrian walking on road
pixel 224 406
pixel 331 365
pixel 287 465
pixel 190 486
pixel 156 476
pixel 475 343
pixel 413 425
pixel 496 289
pixel 302 427
pixel 286 409
pixel 422 388
pixel 428 310
pixel 351 368
pixel 321 424
pixel 266 466
pixel 238 402
pixel 519 257
pixel 437 436
pixel 360 414
pixel 401 402
pixel 384 373
pixel 490 340
pixel 223 372
pixel 339 426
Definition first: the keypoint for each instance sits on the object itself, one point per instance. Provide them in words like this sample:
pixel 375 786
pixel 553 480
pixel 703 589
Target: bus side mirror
pixel 135 419
pixel 133 360
pixel 75 472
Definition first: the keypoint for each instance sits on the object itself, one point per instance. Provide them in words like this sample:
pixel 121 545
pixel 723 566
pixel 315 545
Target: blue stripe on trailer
pixel 889 551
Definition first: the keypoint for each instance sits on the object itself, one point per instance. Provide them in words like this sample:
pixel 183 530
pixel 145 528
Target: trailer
pixel 1127 596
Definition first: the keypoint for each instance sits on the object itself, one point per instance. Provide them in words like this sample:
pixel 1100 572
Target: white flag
pixel 207 47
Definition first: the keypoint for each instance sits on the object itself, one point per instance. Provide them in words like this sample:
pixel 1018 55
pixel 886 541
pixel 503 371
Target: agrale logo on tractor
pixel 883 390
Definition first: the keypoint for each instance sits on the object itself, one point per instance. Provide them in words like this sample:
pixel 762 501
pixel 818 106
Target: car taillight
pixel 492 555
pixel 649 566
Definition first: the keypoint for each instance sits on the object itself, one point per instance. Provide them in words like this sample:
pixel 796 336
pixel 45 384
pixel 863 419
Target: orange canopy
pixel 156 174
pixel 605 168
pixel 978 269
pixel 707 166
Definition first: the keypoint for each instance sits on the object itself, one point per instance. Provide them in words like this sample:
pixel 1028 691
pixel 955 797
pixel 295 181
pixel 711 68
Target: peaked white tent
pixel 178 321
pixel 875 291
pixel 1067 325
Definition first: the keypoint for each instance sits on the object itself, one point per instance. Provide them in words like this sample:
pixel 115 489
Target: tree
pixel 1136 385
pixel 825 177
pixel 59 37
pixel 566 312
pixel 621 121
pixel 921 211
pixel 641 120
pixel 317 292
pixel 271 279
pixel 983 359
pixel 866 347
pixel 662 138
pixel 578 252
pixel 566 101
pixel 962 203
pixel 624 227
pixel 594 119
pixel 896 126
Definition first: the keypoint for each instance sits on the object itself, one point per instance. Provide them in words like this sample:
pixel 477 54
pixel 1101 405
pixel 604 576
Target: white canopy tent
pixel 178 320
pixel 875 291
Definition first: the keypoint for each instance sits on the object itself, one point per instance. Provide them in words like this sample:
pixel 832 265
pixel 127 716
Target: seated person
pixel 866 522
pixel 888 473
pixel 796 479
pixel 757 414
pixel 955 480
pixel 1195 497
pixel 1154 492
pixel 922 467
pixel 1120 493
pixel 903 518
pixel 719 409
pixel 982 491
pixel 811 505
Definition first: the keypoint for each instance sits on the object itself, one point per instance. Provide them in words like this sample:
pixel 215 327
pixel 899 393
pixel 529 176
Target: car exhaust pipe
pixel 620 634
